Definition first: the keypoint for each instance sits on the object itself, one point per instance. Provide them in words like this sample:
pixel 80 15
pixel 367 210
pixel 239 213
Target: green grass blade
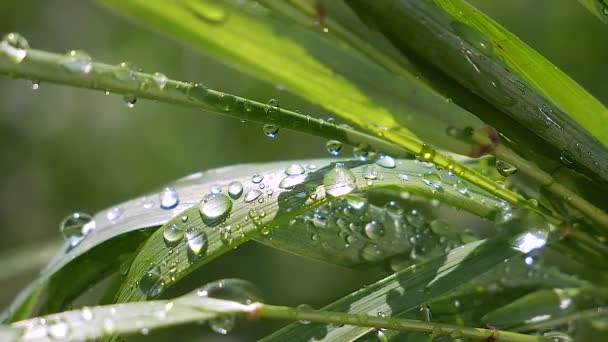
pixel 93 323
pixel 543 305
pixel 309 65
pixel 405 290
pixel 495 64
pixel 599 8
pixel 278 205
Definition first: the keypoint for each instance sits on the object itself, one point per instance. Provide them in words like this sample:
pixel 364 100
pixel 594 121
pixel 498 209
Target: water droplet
pixel 58 330
pixel 151 283
pixel 505 169
pixel 235 189
pixel 547 113
pixel 374 230
pixel 173 235
pixel 530 241
pixel 78 62
pixel 196 240
pixel 433 180
pixel 362 152
pixel 529 260
pixel 339 181
pixel 427 153
pixel 271 130
pixel 129 100
pixel 14 46
pixel 473 37
pixel 256 179
pixel 333 147
pixel 124 72
pixel 35 85
pixel 247 105
pixel 72 227
pixel 252 195
pixel 87 314
pixel 403 177
pixel 461 187
pixel 214 208
pixel 160 80
pixel 386 161
pixel 566 159
pixel 304 307
pixel 294 170
pixel 222 324
pixel 290 182
pixel 370 172
pixel 558 336
pixel 394 209
pixel 237 290
pixel 114 214
pixel 169 198
pixel 227 102
pixel 273 103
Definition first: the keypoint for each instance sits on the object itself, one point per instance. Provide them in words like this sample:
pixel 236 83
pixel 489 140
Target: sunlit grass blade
pixel 309 65
pixel 495 64
pixel 406 290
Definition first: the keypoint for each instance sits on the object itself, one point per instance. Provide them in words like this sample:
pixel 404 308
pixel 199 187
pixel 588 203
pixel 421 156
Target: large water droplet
pixel 461 187
pixel 386 162
pixel 169 198
pixel 151 283
pixel 393 209
pixel 173 234
pixel 196 240
pixel 271 130
pixel 505 169
pixel 530 241
pixel 252 195
pixel 433 180
pixel 237 290
pixel 160 80
pixel 257 178
pixel 78 62
pixel 339 181
pixel 333 147
pixel 304 307
pixel 124 72
pixel 72 227
pixel 214 208
pixel 294 170
pixel 14 46
pixel 374 230
pixel 370 172
pixel 235 189
pixel 427 153
pixel 362 152
pixel 290 182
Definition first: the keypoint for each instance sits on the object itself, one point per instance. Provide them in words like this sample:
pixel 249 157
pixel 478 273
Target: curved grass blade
pixel 493 63
pixel 275 200
pixel 599 8
pixel 406 290
pixel 96 322
pixel 542 305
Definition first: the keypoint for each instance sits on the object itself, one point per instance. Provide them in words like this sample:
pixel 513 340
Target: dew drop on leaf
pixel 214 208
pixel 333 147
pixel 222 324
pixel 294 170
pixel 114 214
pixel 129 100
pixel 160 80
pixel 14 46
pixel 339 181
pixel 169 198
pixel 271 130
pixel 77 62
pixel 252 195
pixel 235 189
pixel 72 227
pixel 173 234
pixel 151 283
pixel 196 240
pixel 387 162
pixel 374 230
pixel 505 169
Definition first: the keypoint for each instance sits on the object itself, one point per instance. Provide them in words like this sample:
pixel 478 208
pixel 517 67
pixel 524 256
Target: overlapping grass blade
pixel 405 290
pixel 496 65
pixel 276 205
pixel 599 8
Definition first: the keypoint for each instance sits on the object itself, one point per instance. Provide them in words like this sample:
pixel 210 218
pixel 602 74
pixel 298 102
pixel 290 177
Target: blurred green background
pixel 65 150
